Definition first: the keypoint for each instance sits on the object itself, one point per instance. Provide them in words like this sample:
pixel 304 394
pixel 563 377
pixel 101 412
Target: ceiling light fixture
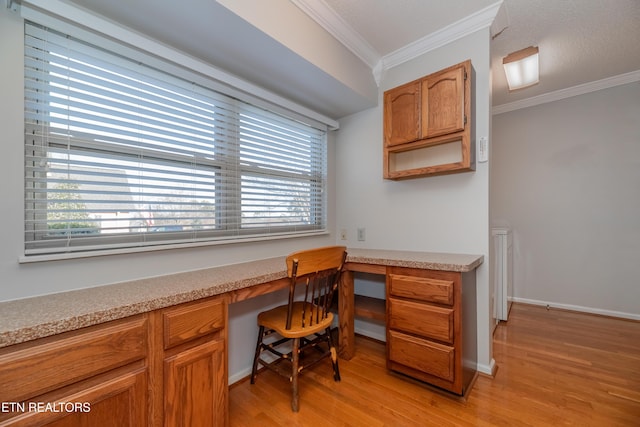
pixel 521 68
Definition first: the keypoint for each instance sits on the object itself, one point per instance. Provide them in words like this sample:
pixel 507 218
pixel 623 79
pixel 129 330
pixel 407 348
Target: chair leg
pixel 295 353
pixel 334 356
pixel 254 371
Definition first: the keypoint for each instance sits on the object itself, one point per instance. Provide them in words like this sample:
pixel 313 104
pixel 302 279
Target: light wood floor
pixel 555 368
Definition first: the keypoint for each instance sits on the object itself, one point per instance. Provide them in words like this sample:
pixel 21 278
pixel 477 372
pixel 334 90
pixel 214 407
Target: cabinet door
pixel 117 402
pixel 402 114
pixel 443 102
pixel 195 386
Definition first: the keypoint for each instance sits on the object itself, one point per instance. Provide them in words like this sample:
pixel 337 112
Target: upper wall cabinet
pixel 427 125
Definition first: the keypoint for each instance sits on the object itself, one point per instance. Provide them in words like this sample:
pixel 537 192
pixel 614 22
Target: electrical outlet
pixel 361 234
pixel 343 234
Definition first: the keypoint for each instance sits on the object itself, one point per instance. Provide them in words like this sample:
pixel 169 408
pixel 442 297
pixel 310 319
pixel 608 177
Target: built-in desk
pixel 135 341
pixel 430 313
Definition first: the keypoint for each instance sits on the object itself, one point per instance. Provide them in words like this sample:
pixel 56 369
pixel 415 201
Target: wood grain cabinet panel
pixel 189 321
pixel 422 355
pixel 429 289
pixel 402 114
pixel 421 319
pixel 196 387
pixel 38 368
pixel 95 376
pixel 119 401
pixel 442 104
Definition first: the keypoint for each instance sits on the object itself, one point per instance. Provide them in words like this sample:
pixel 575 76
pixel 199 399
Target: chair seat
pixel 276 319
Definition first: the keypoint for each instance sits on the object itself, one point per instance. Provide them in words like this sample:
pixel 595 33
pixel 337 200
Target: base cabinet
pixel 195 372
pixel 431 331
pixel 167 367
pixel 94 376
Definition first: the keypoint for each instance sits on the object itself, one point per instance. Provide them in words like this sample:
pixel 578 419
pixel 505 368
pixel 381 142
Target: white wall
pixel 566 178
pixel 438 214
pixel 286 22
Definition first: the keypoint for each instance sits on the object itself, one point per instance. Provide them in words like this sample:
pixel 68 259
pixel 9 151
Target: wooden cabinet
pixel 427 125
pixel 443 102
pixel 402 114
pixel 94 376
pixel 167 367
pixel 195 387
pixel 431 331
pixel 195 370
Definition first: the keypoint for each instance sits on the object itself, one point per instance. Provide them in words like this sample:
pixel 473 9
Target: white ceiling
pixel 580 41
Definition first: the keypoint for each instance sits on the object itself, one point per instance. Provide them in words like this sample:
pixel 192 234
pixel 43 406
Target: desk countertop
pixel 31 318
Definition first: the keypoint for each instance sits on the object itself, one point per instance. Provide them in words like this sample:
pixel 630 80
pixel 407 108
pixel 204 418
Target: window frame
pixel 220 235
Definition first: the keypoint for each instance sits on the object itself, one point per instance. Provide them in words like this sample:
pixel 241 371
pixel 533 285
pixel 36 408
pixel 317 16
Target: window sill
pixel 26 259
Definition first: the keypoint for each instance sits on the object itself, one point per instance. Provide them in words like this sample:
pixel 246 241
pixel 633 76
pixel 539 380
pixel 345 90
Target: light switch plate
pixel 483 149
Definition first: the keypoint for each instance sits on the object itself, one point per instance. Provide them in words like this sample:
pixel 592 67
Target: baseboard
pixel 488 370
pixel 591 310
pixel 370 334
pixel 239 376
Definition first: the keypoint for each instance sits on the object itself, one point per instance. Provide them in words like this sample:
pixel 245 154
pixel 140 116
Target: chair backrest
pixel 318 270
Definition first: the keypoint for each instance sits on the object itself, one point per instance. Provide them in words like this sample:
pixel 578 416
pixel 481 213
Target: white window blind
pixel 118 155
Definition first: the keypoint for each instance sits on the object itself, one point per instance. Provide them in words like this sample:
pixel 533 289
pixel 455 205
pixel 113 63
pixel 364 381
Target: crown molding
pixel 557 95
pixel 472 23
pixel 333 23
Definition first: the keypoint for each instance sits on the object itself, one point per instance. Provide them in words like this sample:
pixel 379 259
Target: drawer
pixel 422 355
pixel 75 356
pixel 421 319
pixel 190 321
pixel 421 288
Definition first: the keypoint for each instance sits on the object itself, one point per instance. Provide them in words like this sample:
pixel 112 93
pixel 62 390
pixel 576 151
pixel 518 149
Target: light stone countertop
pixel 428 260
pixel 37 317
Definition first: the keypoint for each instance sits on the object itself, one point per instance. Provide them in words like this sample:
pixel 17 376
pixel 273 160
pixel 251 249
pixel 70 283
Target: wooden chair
pixel 303 326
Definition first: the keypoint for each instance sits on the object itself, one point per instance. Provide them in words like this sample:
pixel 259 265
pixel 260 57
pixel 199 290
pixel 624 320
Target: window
pixel 118 155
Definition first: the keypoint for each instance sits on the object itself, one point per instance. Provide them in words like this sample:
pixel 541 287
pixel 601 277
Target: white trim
pixel 333 23
pixel 370 334
pixel 472 23
pixel 130 38
pixel 25 259
pixel 487 369
pixel 240 375
pixel 591 310
pixel 582 89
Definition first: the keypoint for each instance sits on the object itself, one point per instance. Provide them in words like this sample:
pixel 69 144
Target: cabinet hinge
pixel 465 119
pixel 465 74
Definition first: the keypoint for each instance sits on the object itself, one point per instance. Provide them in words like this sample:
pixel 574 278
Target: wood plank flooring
pixel 555 368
